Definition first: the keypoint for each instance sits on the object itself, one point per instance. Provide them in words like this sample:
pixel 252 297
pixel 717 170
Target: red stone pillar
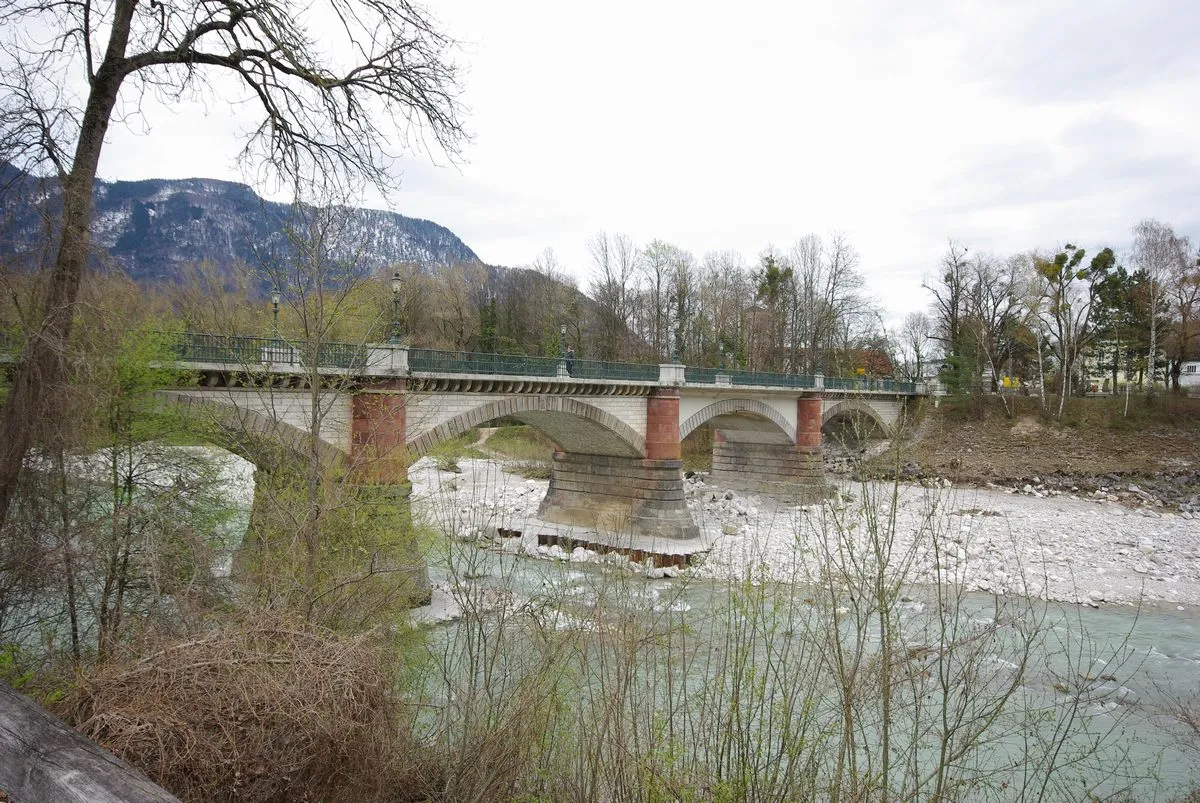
pixel 378 434
pixel 379 470
pixel 808 424
pixel 662 425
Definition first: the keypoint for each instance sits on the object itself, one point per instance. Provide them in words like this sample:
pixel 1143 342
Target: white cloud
pixel 1006 126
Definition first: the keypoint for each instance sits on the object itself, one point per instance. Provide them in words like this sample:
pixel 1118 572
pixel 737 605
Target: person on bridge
pixel 570 359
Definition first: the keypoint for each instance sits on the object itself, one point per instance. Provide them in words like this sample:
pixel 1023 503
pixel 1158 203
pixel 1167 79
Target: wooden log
pixel 44 759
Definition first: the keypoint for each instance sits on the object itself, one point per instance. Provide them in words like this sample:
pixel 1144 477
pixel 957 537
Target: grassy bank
pixel 987 438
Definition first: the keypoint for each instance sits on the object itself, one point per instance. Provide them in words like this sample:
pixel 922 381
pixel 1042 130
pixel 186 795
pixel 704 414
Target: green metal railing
pixel 629 371
pixel 468 362
pixel 860 384
pixel 242 350
pixel 701 376
pixel 761 379
pixel 236 350
pixel 769 379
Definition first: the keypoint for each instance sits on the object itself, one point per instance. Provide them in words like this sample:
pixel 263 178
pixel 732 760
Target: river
pixel 1108 593
pixel 1107 652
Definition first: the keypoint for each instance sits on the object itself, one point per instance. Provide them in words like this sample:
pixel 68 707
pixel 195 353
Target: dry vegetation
pixel 262 709
pixel 978 440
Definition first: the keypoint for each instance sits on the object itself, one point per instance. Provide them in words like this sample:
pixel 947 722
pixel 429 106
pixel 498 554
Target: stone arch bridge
pixel 616 475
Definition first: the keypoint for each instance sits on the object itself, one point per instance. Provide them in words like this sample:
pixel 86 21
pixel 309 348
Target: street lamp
pixel 396 287
pixel 721 351
pixel 562 345
pixel 275 299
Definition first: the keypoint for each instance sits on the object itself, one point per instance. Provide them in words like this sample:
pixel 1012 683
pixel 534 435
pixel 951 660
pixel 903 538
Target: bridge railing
pixel 770 379
pixel 599 369
pixel 239 350
pixel 247 351
pixel 717 376
pixel 469 362
pixel 860 384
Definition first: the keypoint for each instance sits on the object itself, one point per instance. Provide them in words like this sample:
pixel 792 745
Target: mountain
pixel 150 228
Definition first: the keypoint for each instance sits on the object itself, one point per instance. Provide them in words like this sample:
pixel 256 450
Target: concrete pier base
pixel 778 470
pixel 385 515
pixel 374 531
pixel 622 502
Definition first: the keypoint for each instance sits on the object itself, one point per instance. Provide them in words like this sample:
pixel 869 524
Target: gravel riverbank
pixel 1073 547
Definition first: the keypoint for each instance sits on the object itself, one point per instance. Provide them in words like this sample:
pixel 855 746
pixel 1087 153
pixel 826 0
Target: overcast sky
pixel 1004 125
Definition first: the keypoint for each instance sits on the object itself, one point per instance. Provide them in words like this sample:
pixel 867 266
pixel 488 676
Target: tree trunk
pixel 43 363
pixel 41 758
pixel 1041 374
pixel 1152 359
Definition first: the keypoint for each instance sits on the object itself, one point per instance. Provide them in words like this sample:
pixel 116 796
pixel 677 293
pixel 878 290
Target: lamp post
pixel 721 351
pixel 275 299
pixel 394 338
pixel 562 345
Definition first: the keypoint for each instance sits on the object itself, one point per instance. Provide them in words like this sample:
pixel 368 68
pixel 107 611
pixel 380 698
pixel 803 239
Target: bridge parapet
pixel 275 355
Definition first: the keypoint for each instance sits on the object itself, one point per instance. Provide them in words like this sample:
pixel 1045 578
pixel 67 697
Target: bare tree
pixel 613 287
pixel 1183 289
pixel 725 292
pixel 685 301
pixel 1032 291
pixel 557 303
pixel 456 308
pixel 325 111
pixel 1156 250
pixel 659 266
pixel 774 279
pixel 828 306
pixel 1071 301
pixel 992 310
pixel 950 295
pixel 852 313
pixel 915 334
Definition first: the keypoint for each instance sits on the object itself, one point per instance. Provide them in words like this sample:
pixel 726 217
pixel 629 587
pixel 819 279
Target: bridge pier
pixel 378 434
pixel 786 471
pixel 630 502
pixel 379 471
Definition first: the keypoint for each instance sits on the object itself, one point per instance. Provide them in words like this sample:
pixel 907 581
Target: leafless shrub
pixel 263 709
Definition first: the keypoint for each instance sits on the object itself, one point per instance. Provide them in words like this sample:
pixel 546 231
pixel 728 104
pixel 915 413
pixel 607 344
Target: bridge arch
pixel 853 412
pixel 265 441
pixel 576 426
pixel 739 407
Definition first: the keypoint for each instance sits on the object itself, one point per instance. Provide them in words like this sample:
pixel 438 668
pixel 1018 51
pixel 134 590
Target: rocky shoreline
pixel 1045 539
pixel 1172 490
